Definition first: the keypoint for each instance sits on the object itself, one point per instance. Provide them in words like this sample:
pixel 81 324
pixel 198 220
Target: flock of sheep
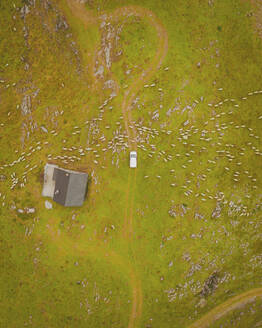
pixel 146 138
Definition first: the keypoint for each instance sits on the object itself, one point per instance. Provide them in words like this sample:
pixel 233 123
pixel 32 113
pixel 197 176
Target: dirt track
pixel 129 96
pixel 147 74
pixel 224 308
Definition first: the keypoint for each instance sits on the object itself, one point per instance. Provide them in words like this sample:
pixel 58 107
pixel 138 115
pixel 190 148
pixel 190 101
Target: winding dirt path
pixel 87 18
pixel 78 9
pixel 128 99
pixel 149 72
pixel 135 87
pixel 224 308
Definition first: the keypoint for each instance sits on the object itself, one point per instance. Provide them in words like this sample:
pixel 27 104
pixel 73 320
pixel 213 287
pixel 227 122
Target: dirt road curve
pixel 129 97
pixel 138 84
pixel 78 9
pixel 224 308
pixel 147 74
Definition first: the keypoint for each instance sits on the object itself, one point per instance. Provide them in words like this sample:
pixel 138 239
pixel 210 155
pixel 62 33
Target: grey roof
pixel 70 187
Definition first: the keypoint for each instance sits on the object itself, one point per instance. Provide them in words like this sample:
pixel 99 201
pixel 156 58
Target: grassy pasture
pixel 71 267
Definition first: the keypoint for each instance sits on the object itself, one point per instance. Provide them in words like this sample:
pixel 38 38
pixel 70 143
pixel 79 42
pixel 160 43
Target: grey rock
pixel 61 24
pixel 172 212
pixel 26 105
pixel 217 211
pixel 47 4
pixel 184 208
pixel 107 54
pixel 26 32
pixel 2 177
pixel 194 268
pixel 24 11
pixel 31 2
pixel 100 71
pixel 48 205
pixel 198 216
pixel 109 83
pixel 168 113
pixel 26 67
pixel 186 257
pixel 35 93
pixel 202 302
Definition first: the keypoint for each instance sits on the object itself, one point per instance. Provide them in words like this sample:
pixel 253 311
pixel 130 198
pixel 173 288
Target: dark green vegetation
pixel 196 218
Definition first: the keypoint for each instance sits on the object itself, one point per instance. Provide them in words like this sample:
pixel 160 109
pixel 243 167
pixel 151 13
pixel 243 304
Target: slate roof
pixel 70 187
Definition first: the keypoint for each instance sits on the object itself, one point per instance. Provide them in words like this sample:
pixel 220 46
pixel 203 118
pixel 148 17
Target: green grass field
pixel 141 250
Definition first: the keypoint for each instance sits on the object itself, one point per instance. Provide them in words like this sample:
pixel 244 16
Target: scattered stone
pixel 61 24
pixel 26 67
pixel 186 257
pixel 217 211
pixel 48 205
pixel 172 212
pixel 26 105
pixel 24 11
pixel 2 177
pixel 100 71
pixel 210 284
pixel 202 303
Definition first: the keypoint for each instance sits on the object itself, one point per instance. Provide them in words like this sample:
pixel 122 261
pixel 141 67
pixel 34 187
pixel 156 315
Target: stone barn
pixel 65 187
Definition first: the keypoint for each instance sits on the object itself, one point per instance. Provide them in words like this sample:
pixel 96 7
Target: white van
pixel 133 159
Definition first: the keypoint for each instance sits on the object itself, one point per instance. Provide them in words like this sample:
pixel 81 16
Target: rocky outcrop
pixel 26 105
